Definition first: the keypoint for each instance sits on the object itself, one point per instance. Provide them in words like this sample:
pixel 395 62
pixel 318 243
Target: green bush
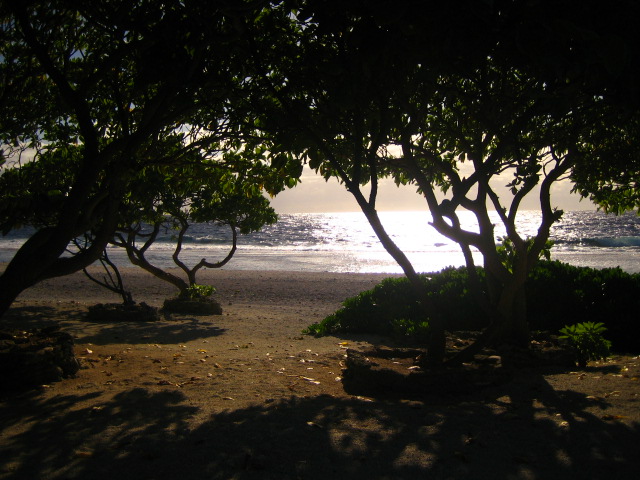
pixel 196 291
pixel 372 311
pixel 587 342
pixel 556 294
pixel 392 308
pixel 415 331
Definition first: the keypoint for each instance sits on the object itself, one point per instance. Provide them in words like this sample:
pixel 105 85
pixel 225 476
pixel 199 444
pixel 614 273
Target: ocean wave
pixel 346 241
pixel 604 242
pixel 200 240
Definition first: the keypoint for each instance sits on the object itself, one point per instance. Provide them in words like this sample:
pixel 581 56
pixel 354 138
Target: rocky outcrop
pixel 395 371
pixel 203 306
pixel 35 357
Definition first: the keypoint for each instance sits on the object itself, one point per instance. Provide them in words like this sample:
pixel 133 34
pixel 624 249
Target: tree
pixel 219 194
pixel 93 89
pixel 589 48
pixel 361 92
pixel 111 278
pixel 225 189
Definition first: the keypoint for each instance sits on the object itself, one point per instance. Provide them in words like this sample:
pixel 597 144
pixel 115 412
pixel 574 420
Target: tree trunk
pixel 512 309
pixel 508 314
pixel 40 257
pixel 139 260
pixel 436 346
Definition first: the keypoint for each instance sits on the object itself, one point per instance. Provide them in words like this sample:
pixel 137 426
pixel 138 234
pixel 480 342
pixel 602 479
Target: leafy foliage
pixel 227 191
pixel 392 308
pixel 557 292
pixel 587 342
pixel 414 331
pixel 361 94
pixel 195 291
pixel 129 98
pixel 508 254
pixel 101 105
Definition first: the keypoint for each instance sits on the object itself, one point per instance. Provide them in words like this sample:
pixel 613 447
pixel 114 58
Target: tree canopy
pixel 90 93
pixel 226 193
pixel 361 92
pixel 518 93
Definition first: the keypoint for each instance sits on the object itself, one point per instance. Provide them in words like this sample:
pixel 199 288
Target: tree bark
pixel 437 340
pixel 136 257
pixel 512 309
pixel 40 257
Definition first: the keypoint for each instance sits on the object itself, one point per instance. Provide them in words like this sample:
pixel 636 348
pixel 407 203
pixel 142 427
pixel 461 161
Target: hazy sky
pixel 313 194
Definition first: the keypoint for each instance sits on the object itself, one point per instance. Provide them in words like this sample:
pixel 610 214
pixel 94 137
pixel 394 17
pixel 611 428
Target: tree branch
pixel 224 261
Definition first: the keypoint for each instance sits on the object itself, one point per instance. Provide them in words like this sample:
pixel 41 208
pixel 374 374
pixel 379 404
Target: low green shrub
pixel 196 291
pixel 556 292
pixel 371 311
pixel 587 342
pixel 415 331
pixel 392 308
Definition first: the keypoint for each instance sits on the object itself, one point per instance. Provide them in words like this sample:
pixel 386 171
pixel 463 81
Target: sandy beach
pixel 245 395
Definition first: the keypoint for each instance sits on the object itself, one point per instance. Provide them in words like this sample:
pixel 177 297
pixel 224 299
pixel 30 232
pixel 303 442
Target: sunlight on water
pixel 345 242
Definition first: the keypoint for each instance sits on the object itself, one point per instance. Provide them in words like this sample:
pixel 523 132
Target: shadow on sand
pixel 522 429
pixel 171 329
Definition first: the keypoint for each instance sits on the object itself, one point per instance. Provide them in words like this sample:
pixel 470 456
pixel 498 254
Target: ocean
pixel 344 242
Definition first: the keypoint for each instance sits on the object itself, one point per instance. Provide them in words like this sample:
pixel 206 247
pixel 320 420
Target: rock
pixel 203 306
pixel 35 357
pixel 393 372
pixel 362 374
pixel 542 352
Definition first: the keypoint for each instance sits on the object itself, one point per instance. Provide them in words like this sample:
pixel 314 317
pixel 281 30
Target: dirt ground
pixel 245 395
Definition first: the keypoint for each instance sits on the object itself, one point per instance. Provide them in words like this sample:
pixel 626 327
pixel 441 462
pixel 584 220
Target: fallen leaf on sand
pixel 364 399
pixel 311 380
pixel 613 417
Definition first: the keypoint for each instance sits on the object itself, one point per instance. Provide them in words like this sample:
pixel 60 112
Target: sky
pixel 313 194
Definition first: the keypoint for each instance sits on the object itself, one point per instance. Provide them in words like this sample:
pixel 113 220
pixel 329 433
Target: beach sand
pixel 245 395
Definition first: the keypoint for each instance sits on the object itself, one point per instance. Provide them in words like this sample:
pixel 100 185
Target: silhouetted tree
pixel 89 93
pixel 364 91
